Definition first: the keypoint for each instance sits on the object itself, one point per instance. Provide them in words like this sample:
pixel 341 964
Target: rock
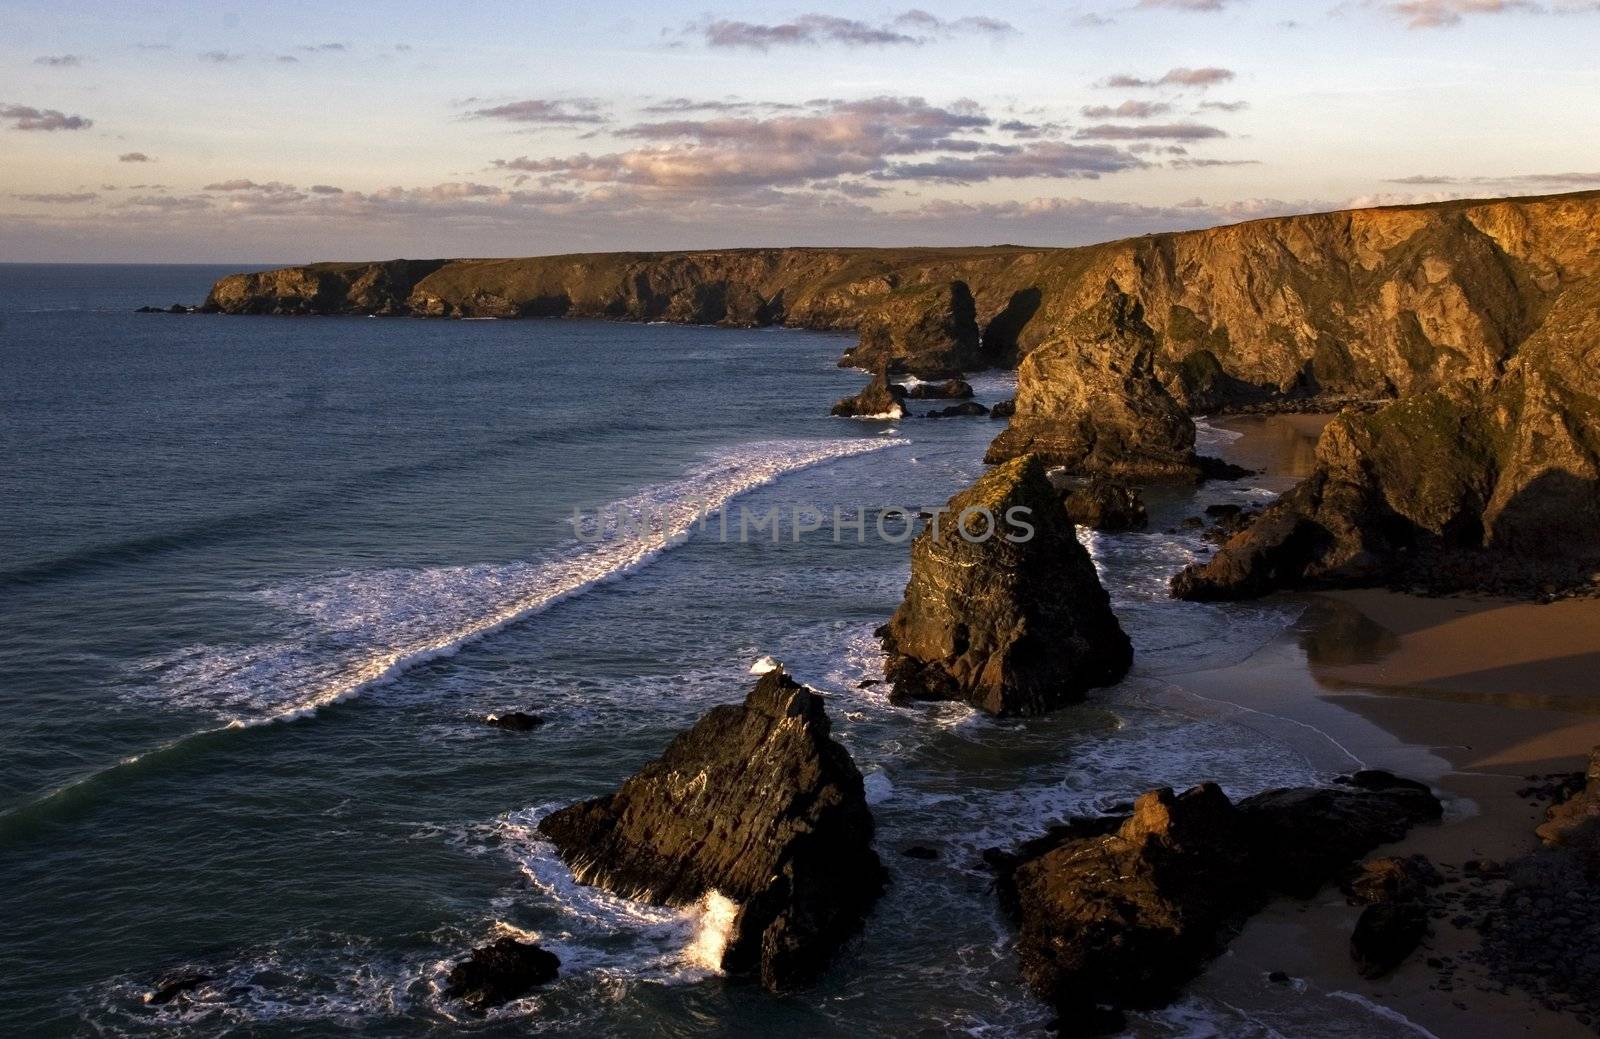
pixel 1391 879
pixel 1217 469
pixel 1122 913
pixel 499 972
pixel 514 721
pixel 950 389
pixel 1386 933
pixel 1224 511
pixel 150 310
pixel 1004 409
pixel 1278 977
pixel 1090 400
pixel 928 330
pixel 1104 504
pixel 1015 624
pixel 1575 821
pixel 881 399
pixel 757 803
pixel 970 408
pixel 175 986
pixel 918 851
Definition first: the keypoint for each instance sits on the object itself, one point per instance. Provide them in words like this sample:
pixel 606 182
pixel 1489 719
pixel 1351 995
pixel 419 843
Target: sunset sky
pixel 281 132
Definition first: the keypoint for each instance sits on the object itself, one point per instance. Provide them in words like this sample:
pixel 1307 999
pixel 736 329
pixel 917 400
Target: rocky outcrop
pixel 1104 504
pixel 1015 622
pixel 966 409
pixel 950 389
pixel 927 330
pixel 757 803
pixel 1575 821
pixel 1090 400
pixel 1121 913
pixel 881 399
pixel 499 972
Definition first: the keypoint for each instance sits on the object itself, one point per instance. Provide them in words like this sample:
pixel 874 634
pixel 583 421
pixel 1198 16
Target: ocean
pixel 263 578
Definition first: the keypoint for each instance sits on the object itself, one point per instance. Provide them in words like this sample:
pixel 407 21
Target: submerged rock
pixel 1016 623
pixel 514 721
pixel 755 802
pixel 1090 400
pixel 499 972
pixel 175 986
pixel 1106 505
pixel 1122 912
pixel 968 409
pixel 880 399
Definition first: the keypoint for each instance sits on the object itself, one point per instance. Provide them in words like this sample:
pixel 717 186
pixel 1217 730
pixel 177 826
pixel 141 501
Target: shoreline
pixel 1473 695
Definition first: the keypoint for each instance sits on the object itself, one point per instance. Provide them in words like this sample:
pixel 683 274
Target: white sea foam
pixel 764 665
pixel 1209 439
pixel 362 629
pixel 713 930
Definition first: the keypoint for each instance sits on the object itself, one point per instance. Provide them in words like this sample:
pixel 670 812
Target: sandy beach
pixel 1472 695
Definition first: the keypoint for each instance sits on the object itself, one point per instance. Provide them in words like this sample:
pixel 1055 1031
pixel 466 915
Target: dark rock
pixel 755 802
pixel 177 308
pixel 968 409
pixel 1576 819
pixel 929 330
pixel 1391 879
pixel 880 399
pixel 1278 977
pixel 1217 469
pixel 1004 409
pixel 1386 933
pixel 499 972
pixel 1090 400
pixel 1010 626
pixel 173 986
pixel 514 721
pixel 150 310
pixel 950 389
pixel 1104 504
pixel 1224 511
pixel 918 851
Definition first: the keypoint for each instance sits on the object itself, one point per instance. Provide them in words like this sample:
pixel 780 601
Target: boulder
pixel 1104 504
pixel 1393 878
pixel 1120 912
pixel 1385 934
pixel 949 389
pixel 1090 400
pixel 928 330
pixel 757 803
pixel 1004 409
pixel 175 986
pixel 1015 623
pixel 499 972
pixel 514 721
pixel 968 409
pixel 881 399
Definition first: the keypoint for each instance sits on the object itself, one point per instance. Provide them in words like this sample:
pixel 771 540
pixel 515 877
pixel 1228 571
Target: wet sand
pixel 1471 695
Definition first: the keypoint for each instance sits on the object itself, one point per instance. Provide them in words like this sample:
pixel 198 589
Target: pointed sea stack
pixel 881 399
pixel 1011 626
pixel 756 803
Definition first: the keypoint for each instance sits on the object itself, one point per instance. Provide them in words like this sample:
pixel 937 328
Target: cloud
pixel 1198 79
pixel 1187 5
pixel 1150 132
pixel 26 117
pixel 316 47
pixel 62 199
pixel 912 28
pixel 545 110
pixel 169 203
pixel 134 157
pixel 1052 159
pixel 1128 110
pixel 59 61
pixel 1223 106
pixel 220 57
pixel 1435 14
pixel 1557 181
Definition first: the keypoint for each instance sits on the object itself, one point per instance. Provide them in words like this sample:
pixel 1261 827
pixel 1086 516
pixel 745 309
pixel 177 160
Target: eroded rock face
pixel 499 972
pixel 1122 912
pixel 927 330
pixel 1105 505
pixel 757 803
pixel 1015 624
pixel 880 399
pixel 1090 400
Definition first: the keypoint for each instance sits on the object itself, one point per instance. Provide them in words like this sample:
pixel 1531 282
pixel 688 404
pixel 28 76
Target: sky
pixel 280 132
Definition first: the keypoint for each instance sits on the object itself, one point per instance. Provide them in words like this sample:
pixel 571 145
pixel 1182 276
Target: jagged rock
pixel 1391 879
pixel 755 802
pixel 175 987
pixel 1090 400
pixel 499 972
pixel 1004 409
pixel 1015 624
pixel 949 389
pixel 1385 934
pixel 881 399
pixel 1576 820
pixel 514 721
pixel 928 330
pixel 1121 912
pixel 1103 504
pixel 969 409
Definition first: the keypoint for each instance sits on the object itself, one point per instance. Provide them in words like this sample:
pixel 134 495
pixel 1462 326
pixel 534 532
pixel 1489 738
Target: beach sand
pixel 1472 695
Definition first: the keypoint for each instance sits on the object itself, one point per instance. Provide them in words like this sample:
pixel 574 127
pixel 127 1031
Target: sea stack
pixel 927 330
pixel 881 399
pixel 1015 623
pixel 756 803
pixel 1090 400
